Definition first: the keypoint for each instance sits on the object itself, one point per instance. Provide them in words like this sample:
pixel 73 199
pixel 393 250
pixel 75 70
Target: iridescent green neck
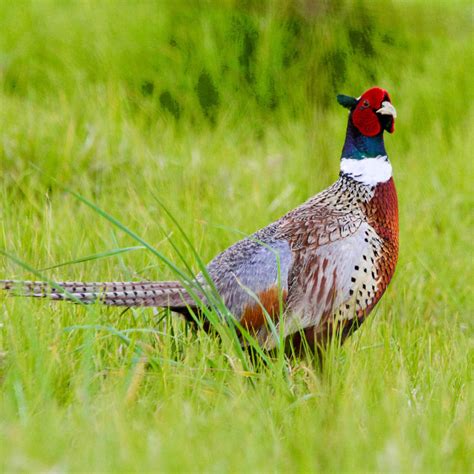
pixel 358 146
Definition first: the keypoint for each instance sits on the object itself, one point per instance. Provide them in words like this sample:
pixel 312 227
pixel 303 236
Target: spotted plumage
pixel 325 263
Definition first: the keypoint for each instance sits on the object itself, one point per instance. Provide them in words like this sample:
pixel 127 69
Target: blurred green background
pixel 226 110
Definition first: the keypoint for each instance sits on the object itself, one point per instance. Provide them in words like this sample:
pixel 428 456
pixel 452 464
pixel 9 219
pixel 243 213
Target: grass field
pixel 226 112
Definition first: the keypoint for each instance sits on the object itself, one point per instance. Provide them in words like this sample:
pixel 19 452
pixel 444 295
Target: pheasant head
pixel 363 156
pixel 369 116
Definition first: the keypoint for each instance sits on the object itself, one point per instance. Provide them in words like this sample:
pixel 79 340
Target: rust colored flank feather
pixel 254 317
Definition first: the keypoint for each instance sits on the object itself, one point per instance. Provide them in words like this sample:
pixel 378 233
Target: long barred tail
pixel 159 294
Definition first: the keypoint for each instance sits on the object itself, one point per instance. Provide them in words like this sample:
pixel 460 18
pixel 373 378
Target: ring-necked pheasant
pixel 324 264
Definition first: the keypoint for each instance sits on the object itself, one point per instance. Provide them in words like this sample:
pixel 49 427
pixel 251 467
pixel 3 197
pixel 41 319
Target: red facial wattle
pixel 364 116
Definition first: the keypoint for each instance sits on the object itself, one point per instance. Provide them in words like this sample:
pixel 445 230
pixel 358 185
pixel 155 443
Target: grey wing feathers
pixel 166 293
pixel 250 266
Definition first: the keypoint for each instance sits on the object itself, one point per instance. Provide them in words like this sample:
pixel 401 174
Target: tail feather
pixel 159 294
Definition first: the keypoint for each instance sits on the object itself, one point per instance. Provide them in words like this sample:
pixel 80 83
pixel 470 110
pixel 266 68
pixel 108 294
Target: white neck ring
pixel 369 171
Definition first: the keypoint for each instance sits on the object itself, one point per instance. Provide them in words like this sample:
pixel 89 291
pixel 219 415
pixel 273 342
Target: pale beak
pixel 387 109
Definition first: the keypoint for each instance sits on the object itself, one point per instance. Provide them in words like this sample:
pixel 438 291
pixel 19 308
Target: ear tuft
pixel 347 101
